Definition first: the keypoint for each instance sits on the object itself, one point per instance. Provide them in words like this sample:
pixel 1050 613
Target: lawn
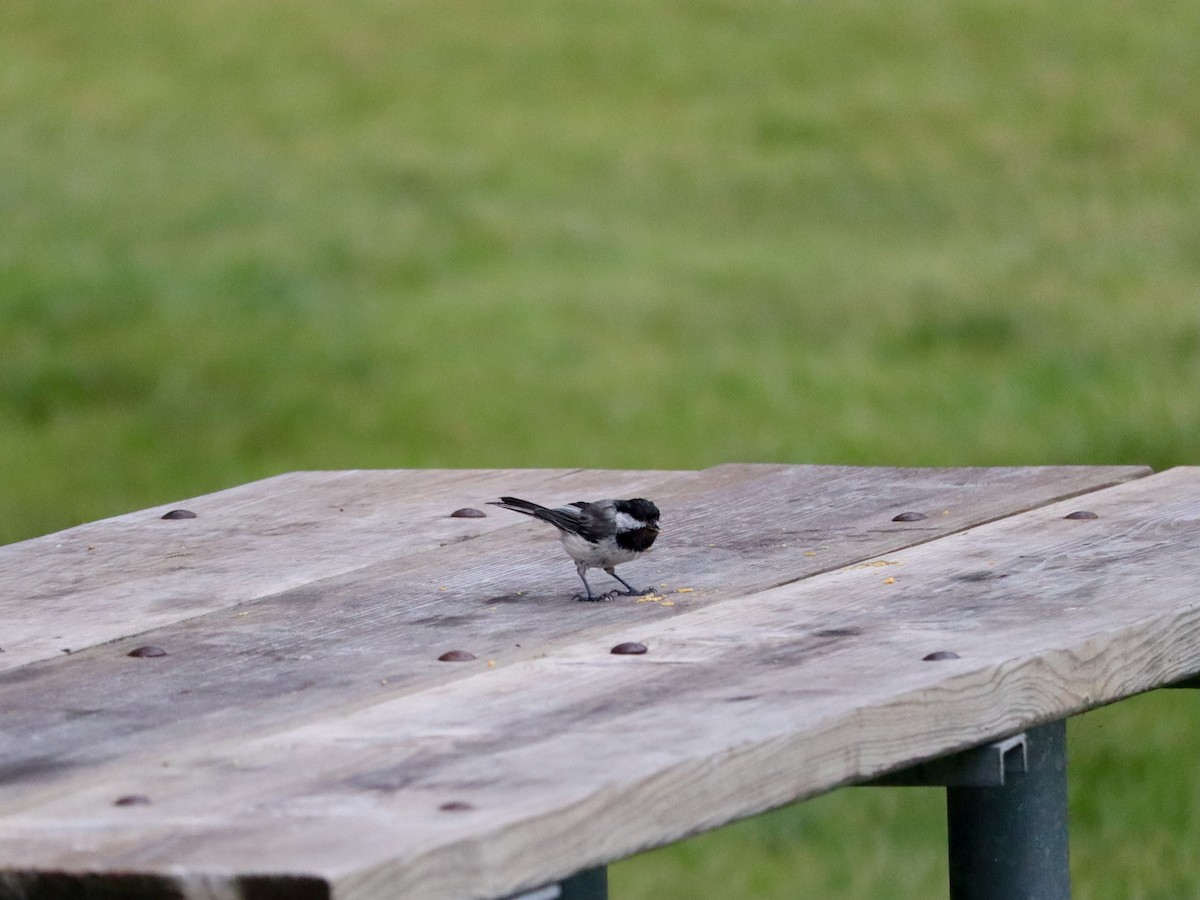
pixel 238 239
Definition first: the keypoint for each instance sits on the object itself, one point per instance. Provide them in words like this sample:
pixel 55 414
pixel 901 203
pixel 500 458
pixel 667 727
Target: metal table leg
pixel 590 884
pixel 1006 815
pixel 1010 842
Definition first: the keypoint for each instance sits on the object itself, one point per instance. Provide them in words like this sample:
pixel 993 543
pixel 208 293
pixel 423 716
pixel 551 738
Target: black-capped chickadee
pixel 600 534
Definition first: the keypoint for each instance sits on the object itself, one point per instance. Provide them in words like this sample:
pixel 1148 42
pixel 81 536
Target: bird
pixel 598 534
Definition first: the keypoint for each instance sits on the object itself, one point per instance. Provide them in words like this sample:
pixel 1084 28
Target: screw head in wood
pixel 629 648
pixel 468 512
pixel 132 800
pixel 456 656
pixel 179 514
pixel 938 655
pixel 146 652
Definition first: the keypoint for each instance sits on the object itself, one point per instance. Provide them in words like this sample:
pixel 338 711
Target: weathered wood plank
pixel 577 756
pixel 376 632
pixel 134 572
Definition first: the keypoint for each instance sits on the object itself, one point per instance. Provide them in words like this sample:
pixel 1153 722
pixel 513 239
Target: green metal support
pixel 590 884
pixel 1006 817
pixel 1010 842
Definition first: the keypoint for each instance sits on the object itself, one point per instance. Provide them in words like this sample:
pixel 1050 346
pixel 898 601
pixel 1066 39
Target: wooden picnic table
pixel 292 732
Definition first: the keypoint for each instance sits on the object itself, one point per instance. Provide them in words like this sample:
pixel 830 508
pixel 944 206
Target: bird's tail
pixel 516 504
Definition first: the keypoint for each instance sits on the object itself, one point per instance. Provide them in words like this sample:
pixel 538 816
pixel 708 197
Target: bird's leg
pixel 581 569
pixel 630 590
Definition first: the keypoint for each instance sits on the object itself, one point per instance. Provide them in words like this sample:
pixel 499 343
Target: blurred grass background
pixel 238 239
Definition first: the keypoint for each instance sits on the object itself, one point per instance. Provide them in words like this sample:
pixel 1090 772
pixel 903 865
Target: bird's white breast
pixel 595 556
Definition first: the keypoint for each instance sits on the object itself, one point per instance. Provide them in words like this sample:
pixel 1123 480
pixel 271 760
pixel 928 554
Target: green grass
pixel 240 238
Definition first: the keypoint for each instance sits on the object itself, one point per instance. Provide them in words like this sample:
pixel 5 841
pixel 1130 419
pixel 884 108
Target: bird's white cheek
pixel 626 522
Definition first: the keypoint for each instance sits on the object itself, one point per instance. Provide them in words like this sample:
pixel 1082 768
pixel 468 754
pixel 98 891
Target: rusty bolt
pixel 456 656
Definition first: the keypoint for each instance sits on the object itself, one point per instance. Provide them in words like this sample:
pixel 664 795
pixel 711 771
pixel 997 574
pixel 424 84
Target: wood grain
pixel 133 572
pixel 760 687
pixel 377 631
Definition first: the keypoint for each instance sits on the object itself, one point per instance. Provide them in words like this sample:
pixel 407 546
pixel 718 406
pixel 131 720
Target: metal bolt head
pixel 146 652
pixel 629 648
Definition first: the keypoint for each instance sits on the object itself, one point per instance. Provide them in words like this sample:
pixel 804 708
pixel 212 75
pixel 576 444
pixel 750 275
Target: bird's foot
pixel 633 593
pixel 595 598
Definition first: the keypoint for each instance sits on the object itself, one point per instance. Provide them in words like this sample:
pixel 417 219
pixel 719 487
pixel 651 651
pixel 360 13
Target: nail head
pixel 910 517
pixel 456 656
pixel 147 652
pixel 1081 514
pixel 179 514
pixel 938 655
pixel 629 648
pixel 468 512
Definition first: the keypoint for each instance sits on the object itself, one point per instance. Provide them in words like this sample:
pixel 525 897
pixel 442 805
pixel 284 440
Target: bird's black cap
pixel 639 507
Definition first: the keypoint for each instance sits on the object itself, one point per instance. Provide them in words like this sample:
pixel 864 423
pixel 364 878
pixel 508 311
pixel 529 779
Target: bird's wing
pixel 581 517
pixel 591 521
pixel 575 518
